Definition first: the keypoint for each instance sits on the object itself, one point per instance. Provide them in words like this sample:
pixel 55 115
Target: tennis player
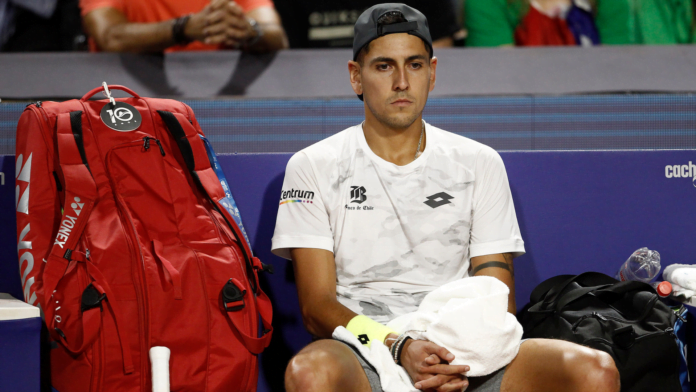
pixel 380 214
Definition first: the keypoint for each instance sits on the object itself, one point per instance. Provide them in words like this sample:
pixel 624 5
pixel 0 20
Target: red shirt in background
pixel 149 11
pixel 537 29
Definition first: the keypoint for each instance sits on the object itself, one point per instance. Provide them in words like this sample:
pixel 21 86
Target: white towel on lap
pixel 468 317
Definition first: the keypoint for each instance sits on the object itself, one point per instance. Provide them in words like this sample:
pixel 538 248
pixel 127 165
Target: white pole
pixel 159 358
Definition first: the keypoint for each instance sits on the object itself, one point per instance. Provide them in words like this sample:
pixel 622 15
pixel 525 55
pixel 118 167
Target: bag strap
pixel 542 288
pixel 80 198
pixel 195 156
pixel 91 308
pixel 614 288
pixel 234 300
pixel 555 286
pixel 593 283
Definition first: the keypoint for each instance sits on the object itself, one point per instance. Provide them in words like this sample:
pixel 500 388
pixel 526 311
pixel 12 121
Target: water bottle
pixel 663 289
pixel 643 266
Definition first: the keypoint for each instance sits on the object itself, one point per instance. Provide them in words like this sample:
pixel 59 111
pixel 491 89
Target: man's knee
pixel 314 368
pixel 594 370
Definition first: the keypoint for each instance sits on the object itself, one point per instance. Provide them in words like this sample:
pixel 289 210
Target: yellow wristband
pixel 367 330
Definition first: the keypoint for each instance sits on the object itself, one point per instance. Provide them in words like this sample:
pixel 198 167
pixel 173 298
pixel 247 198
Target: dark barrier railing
pixel 576 122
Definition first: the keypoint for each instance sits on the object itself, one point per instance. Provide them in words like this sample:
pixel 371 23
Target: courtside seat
pixel 20 335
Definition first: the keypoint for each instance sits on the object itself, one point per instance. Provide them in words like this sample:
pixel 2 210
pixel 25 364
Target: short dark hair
pixel 389 18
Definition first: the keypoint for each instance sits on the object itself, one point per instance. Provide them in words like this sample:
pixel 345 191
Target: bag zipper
pixel 585 317
pixel 142 290
pixel 146 144
pixel 201 273
pixel 218 227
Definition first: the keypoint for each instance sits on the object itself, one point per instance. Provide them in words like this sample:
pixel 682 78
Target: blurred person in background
pixel 40 26
pixel 553 22
pixel 529 23
pixel 649 22
pixel 170 25
pixel 329 23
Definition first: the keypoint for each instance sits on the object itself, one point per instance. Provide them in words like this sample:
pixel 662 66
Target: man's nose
pixel 401 79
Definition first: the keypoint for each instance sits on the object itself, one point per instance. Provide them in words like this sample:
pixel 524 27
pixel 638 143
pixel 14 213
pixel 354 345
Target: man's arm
pixel 112 32
pixel 220 22
pixel 498 266
pixel 315 274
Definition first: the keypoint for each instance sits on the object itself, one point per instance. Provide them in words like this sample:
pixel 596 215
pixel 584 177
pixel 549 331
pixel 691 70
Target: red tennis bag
pixel 124 244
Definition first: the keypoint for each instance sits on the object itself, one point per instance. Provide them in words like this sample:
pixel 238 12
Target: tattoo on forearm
pixel 493 264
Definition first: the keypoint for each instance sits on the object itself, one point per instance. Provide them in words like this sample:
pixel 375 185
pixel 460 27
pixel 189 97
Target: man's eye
pixel 416 65
pixel 382 67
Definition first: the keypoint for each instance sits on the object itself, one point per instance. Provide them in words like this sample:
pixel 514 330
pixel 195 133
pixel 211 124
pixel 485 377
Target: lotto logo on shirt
pixel 296 196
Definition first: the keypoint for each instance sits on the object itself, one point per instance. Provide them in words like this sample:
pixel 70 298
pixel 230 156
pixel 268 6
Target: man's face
pixel 395 78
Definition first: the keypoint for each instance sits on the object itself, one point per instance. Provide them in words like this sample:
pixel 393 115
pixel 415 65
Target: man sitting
pixel 380 214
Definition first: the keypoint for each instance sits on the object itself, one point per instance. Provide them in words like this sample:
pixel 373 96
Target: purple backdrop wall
pixel 578 211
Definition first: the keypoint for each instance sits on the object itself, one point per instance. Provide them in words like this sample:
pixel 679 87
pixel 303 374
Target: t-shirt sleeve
pixel 250 5
pixel 87 6
pixel 302 220
pixel 494 227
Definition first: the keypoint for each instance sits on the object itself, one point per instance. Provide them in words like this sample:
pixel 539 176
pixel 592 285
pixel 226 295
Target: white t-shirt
pixel 396 232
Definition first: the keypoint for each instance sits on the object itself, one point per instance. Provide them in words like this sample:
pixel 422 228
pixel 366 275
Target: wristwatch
pixel 259 32
pixel 178 33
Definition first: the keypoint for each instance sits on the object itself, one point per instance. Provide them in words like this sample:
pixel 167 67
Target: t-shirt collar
pixel 407 168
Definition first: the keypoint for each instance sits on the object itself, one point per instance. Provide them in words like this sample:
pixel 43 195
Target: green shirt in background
pixel 650 22
pixel 620 22
pixel 493 22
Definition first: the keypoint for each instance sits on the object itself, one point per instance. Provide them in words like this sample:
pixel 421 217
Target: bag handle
pixel 255 345
pixel 545 295
pixel 540 292
pixel 616 288
pixel 111 87
pixel 585 279
pixel 593 282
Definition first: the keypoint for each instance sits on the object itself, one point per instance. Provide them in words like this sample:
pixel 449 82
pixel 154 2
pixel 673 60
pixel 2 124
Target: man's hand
pixel 220 22
pixel 428 366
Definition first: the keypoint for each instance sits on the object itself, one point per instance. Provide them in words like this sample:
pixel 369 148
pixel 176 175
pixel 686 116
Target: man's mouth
pixel 402 102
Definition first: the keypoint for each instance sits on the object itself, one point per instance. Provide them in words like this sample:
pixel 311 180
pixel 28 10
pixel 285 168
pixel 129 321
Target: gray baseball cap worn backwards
pixel 367 30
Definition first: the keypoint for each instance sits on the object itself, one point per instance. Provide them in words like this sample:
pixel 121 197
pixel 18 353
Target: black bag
pixel 625 319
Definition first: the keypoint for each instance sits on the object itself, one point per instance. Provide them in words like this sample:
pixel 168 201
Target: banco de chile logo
pixel 357 194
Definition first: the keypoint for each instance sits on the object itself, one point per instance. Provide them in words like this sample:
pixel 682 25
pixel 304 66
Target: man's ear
pixel 355 77
pixel 433 72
